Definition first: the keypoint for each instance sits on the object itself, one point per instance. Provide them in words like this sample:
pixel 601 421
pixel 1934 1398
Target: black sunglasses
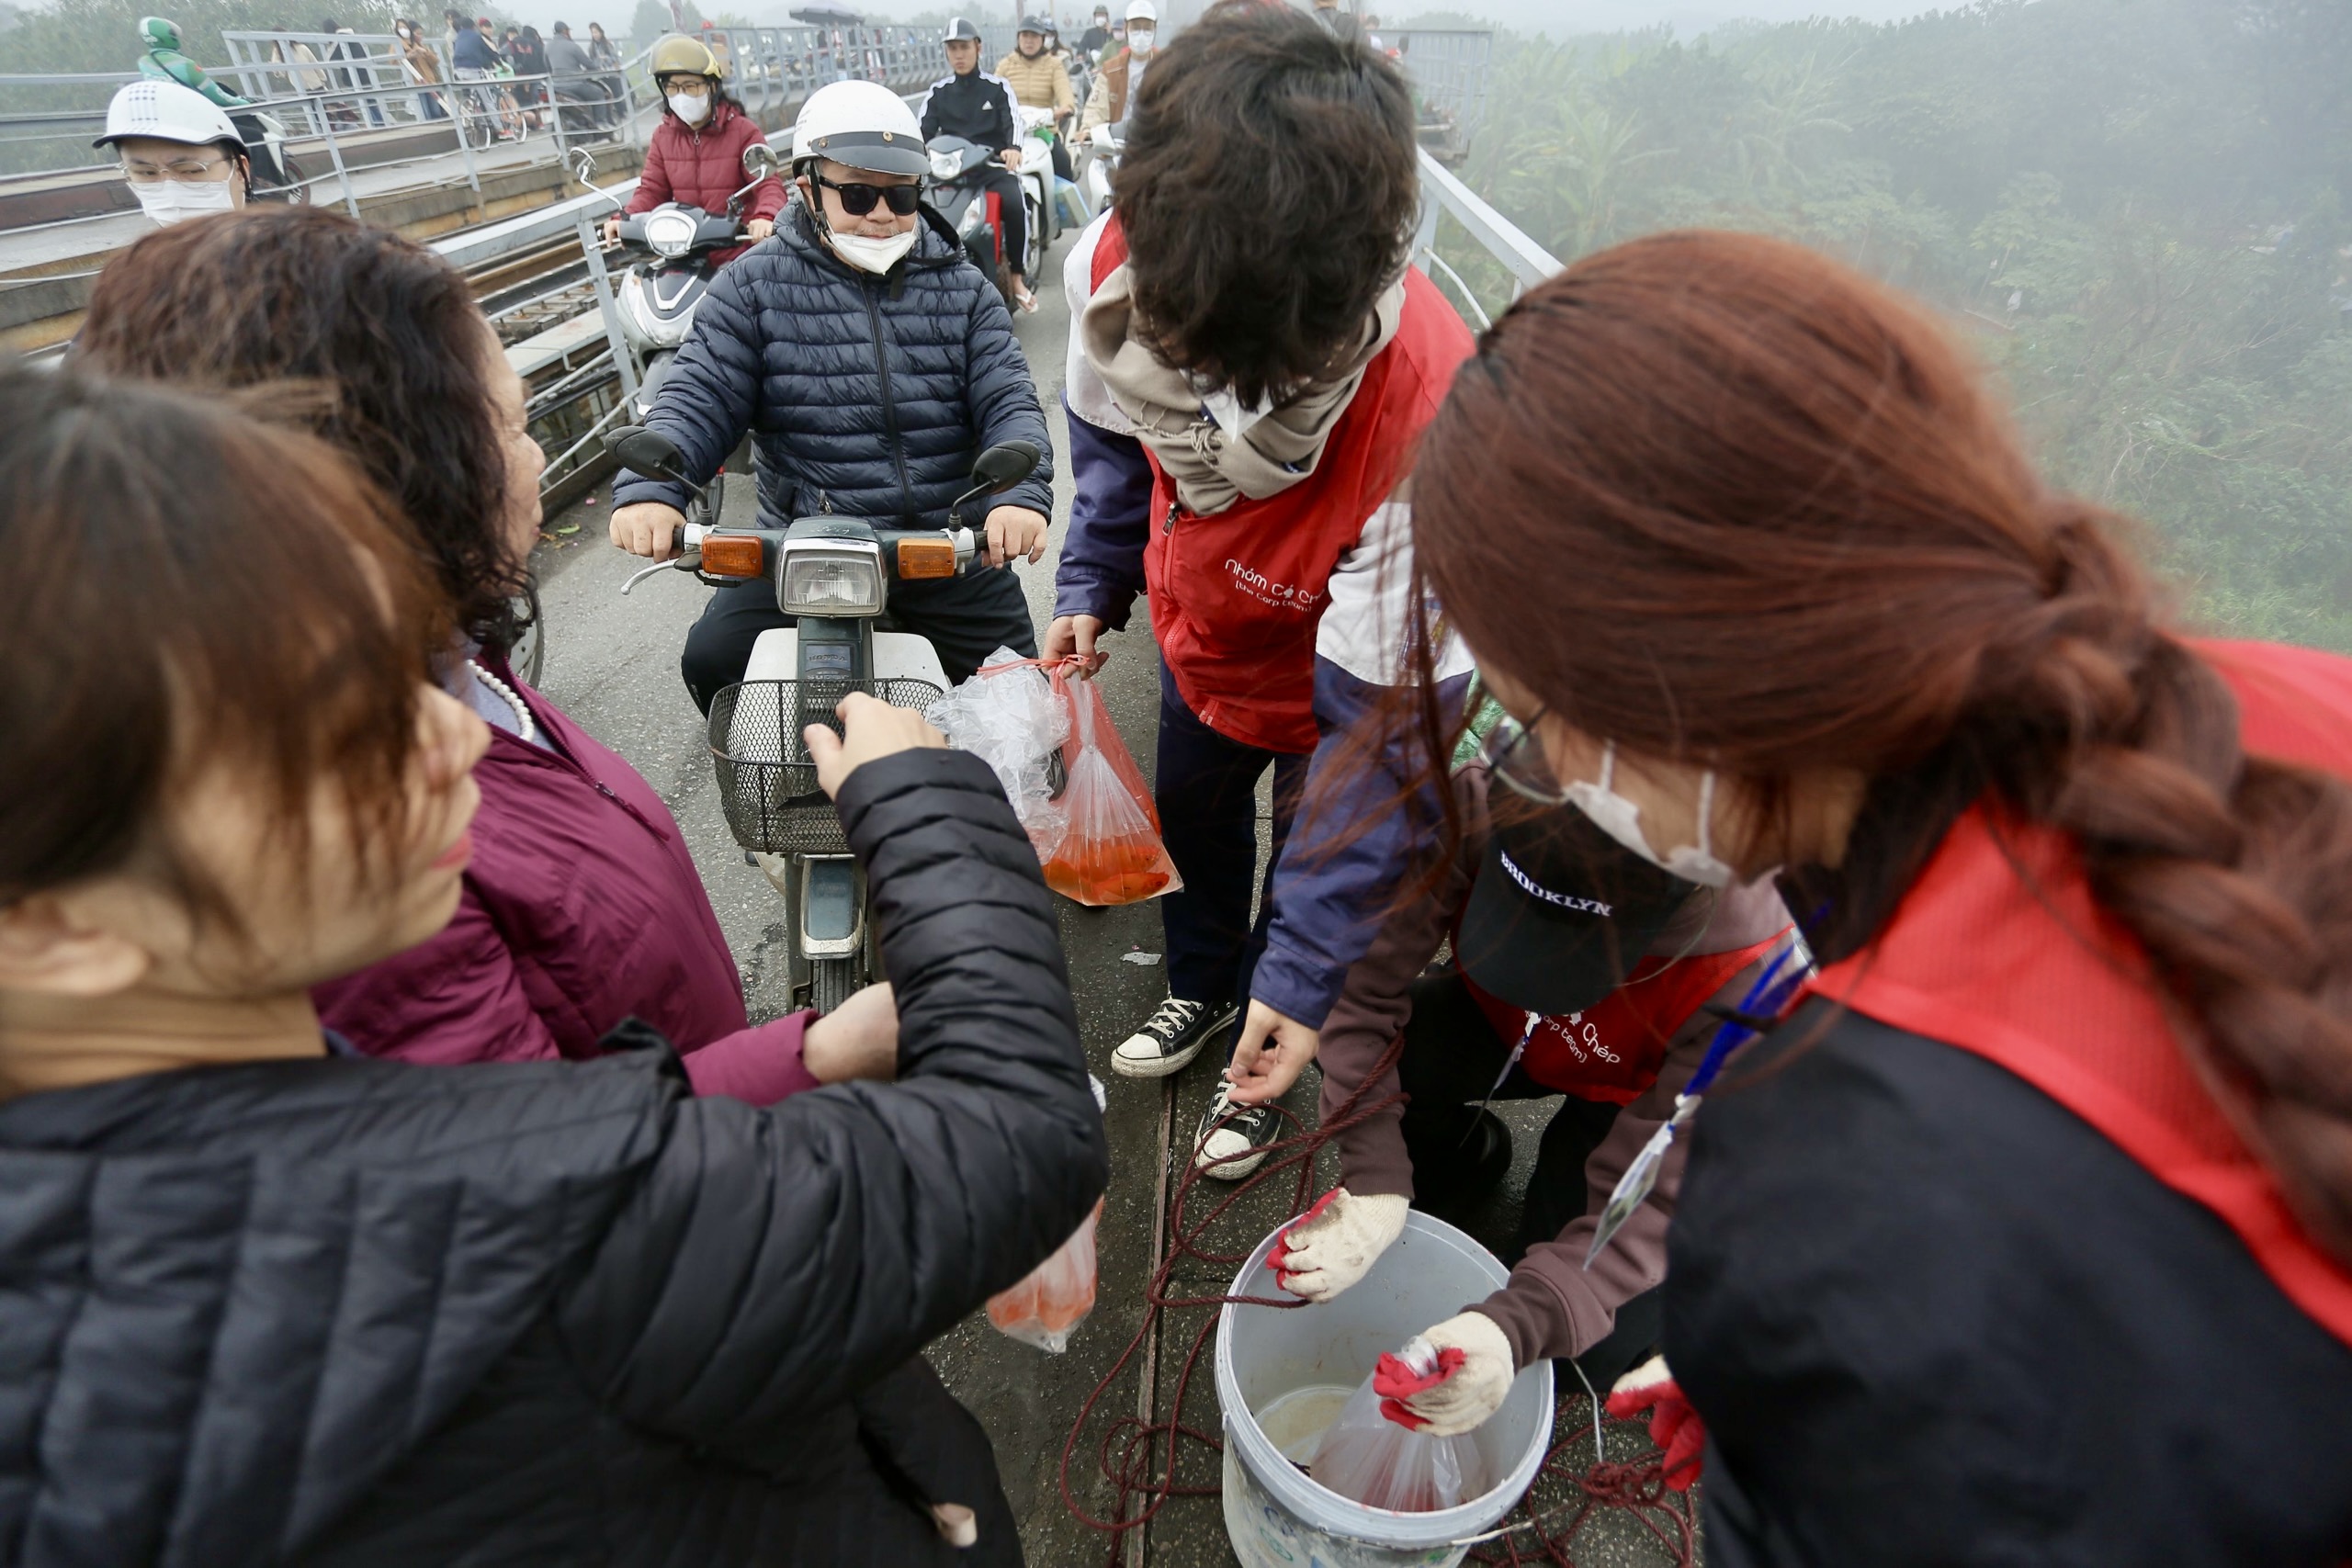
pixel 857 200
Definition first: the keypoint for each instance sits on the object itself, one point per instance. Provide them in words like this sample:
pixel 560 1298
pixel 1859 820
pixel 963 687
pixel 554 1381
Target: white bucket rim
pixel 1299 1492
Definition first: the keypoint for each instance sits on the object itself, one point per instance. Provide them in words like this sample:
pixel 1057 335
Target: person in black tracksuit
pixel 976 105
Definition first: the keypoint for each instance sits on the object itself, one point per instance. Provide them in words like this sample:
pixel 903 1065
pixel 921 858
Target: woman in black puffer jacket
pixel 269 1303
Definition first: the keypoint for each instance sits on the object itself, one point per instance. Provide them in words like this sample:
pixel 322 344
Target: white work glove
pixel 1100 136
pixel 1472 1374
pixel 1336 1243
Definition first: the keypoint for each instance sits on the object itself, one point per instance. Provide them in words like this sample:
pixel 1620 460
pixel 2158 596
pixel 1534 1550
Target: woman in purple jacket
pixel 582 907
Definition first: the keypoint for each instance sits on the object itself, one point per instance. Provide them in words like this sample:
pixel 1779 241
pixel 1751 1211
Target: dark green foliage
pixel 2135 206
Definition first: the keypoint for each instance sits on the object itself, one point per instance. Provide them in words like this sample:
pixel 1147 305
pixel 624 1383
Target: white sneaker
pixel 1170 1038
pixel 1232 1139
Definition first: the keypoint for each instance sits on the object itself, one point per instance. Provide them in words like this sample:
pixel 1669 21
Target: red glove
pixel 1395 1379
pixel 1674 1425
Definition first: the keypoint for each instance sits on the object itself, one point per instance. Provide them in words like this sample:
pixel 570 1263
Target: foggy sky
pixel 1562 19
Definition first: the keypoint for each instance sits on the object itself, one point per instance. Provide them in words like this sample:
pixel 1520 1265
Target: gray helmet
pixel 960 29
pixel 1038 25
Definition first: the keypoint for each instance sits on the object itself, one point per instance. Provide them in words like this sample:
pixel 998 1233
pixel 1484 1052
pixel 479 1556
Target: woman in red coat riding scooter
pixel 696 156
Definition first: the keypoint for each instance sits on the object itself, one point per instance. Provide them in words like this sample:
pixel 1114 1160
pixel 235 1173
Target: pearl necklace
pixel 526 726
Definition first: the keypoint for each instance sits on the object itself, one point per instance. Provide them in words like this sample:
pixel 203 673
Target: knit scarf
pixel 1210 469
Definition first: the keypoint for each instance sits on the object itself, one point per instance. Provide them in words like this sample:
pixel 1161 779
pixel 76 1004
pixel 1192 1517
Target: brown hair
pixel 279 292
pixel 189 584
pixel 1268 193
pixel 1720 499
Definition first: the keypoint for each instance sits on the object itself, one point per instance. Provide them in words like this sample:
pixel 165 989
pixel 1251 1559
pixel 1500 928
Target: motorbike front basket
pixel 767 785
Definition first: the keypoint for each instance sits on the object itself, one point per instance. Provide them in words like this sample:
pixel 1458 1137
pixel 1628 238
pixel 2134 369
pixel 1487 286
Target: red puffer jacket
pixel 702 166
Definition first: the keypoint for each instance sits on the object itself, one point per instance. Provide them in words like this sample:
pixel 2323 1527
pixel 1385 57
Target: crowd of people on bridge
pixel 1682 700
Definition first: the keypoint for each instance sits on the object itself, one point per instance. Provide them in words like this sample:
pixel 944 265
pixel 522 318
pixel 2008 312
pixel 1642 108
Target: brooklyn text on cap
pixel 1560 912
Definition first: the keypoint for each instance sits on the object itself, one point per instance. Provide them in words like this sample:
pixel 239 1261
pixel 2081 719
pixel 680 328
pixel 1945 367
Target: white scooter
pixel 1103 148
pixel 832 576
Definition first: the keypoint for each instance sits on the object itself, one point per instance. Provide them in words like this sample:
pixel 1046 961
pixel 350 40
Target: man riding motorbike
pixel 1098 37
pixel 696 156
pixel 871 363
pixel 1039 80
pixel 1122 74
pixel 976 105
pixel 164 62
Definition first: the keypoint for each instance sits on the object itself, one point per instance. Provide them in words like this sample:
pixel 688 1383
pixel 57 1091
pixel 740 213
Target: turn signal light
pixel 925 558
pixel 732 555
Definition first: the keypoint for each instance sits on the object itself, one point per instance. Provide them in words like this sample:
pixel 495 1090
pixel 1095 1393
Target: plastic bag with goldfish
pixel 1111 851
pixel 1047 1305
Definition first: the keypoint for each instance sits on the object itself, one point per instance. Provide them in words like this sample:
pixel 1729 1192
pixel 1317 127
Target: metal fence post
pixel 335 153
pixel 622 362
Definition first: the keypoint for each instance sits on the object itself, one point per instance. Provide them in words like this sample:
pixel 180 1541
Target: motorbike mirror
pixel 759 161
pixel 583 163
pixel 647 452
pixel 1001 466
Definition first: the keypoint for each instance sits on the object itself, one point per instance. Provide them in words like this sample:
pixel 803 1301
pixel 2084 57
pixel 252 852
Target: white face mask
pixel 874 255
pixel 168 201
pixel 690 109
pixel 1621 819
pixel 1139 41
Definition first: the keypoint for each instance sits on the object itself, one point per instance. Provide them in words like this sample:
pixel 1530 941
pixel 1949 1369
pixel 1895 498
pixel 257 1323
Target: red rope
pixel 1139 1457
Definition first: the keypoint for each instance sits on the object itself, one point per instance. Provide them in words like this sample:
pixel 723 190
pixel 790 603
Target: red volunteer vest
pixel 2036 978
pixel 1612 1051
pixel 1236 598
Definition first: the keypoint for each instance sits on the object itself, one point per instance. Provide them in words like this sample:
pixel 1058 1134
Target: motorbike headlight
pixel 668 233
pixel 831 579
pixel 945 165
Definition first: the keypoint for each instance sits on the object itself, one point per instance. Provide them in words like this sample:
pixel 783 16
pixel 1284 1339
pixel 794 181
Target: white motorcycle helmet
pixel 863 125
pixel 149 110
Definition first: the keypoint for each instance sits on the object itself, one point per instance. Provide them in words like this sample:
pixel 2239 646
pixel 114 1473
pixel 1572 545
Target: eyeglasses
pixel 857 200
pixel 1514 753
pixel 691 87
pixel 200 169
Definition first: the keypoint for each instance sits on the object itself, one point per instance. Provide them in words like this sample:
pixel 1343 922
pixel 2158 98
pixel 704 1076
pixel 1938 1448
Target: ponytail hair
pixel 1778 524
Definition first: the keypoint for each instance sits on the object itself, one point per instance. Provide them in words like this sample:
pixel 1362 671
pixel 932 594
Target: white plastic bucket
pixel 1277 1517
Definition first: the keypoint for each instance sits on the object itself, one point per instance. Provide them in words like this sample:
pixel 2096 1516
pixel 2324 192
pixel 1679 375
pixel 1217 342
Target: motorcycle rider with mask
pixel 696 154
pixel 871 363
pixel 1122 74
pixel 180 155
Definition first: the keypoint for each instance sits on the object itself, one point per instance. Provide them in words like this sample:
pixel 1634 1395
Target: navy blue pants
pixel 1206 789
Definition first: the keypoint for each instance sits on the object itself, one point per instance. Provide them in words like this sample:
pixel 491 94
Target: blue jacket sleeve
pixel 1003 398
pixel 1331 897
pixel 714 387
pixel 1110 523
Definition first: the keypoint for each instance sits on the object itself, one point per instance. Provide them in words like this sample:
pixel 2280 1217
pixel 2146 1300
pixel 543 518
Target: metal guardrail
pixel 1450 70
pixel 326 87
pixel 1443 196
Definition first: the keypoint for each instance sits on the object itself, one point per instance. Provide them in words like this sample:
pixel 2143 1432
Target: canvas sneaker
pixel 1170 1038
pixel 1232 1139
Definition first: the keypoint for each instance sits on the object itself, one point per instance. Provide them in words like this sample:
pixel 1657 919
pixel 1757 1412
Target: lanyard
pixel 1765 998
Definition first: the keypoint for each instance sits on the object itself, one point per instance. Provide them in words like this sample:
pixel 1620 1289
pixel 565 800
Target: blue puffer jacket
pixel 867 396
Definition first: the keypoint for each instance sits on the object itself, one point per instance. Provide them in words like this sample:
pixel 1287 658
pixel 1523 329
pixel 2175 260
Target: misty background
pixel 2136 210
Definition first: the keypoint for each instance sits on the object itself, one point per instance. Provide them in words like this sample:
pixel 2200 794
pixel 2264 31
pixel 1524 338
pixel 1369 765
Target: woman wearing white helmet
pixel 179 153
pixel 871 363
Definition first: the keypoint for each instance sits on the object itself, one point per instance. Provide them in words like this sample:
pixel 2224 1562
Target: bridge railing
pixel 326 88
pixel 1524 263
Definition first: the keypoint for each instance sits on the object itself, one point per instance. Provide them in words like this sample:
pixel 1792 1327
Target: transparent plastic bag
pixel 1053 1298
pixel 1111 851
pixel 1048 1306
pixel 1011 718
pixel 1368 1459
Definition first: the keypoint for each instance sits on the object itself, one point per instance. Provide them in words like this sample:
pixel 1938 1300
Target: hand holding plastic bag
pixel 1368 1458
pixel 1111 853
pixel 1012 719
